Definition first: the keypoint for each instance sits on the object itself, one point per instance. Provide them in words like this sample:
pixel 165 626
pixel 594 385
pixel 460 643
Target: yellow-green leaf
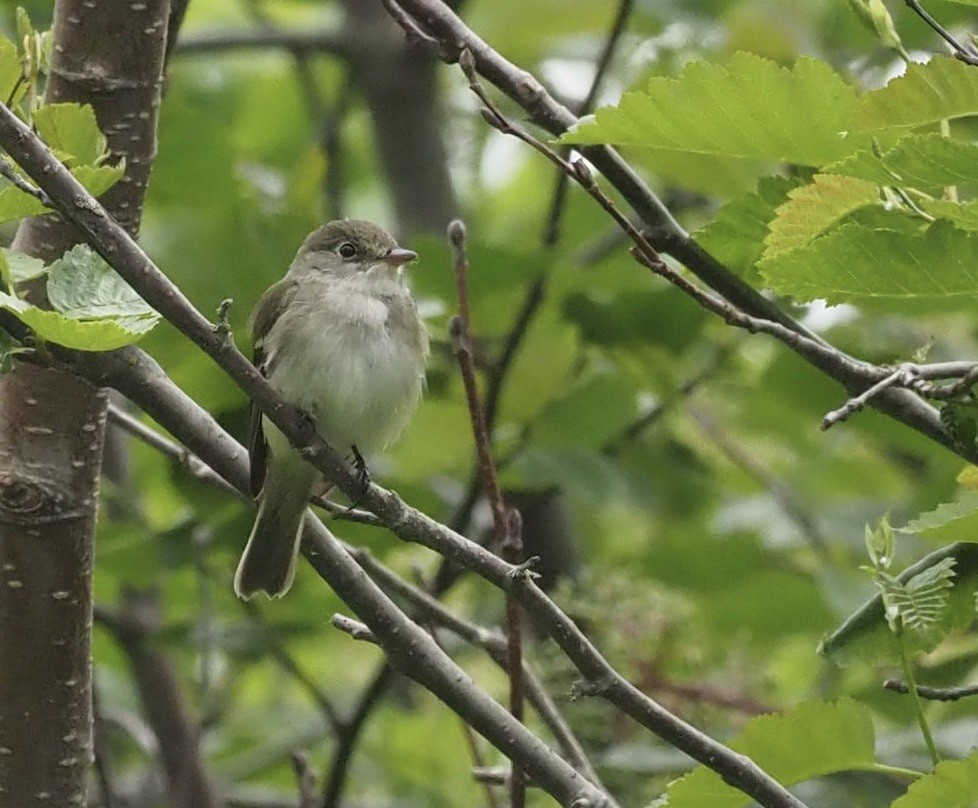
pixel 933 270
pixel 953 784
pixel 16 204
pixel 921 161
pixel 71 129
pixel 812 208
pixel 927 93
pixel 10 69
pixel 84 335
pixel 811 740
pixel 750 107
pixel 98 179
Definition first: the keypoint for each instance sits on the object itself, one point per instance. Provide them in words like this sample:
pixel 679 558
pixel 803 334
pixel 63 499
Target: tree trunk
pixel 109 54
pixel 399 86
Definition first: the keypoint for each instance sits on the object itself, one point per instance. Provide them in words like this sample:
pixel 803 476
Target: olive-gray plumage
pixel 340 337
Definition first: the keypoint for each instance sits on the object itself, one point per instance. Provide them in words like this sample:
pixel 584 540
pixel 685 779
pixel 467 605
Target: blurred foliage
pixel 719 532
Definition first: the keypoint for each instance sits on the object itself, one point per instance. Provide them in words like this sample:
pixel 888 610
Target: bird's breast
pixel 358 366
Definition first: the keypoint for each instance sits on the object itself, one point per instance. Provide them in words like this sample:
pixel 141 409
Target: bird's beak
pixel 399 256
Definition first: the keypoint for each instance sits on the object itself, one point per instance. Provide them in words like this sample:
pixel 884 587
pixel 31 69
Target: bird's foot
pixel 363 476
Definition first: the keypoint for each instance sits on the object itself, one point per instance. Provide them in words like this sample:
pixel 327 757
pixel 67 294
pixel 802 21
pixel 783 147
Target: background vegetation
pixel 671 472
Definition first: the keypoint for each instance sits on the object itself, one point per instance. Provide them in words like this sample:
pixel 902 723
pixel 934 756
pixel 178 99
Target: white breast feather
pixel 360 382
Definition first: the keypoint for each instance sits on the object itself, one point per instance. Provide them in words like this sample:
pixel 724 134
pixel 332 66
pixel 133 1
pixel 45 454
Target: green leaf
pixel 7 280
pixel 883 25
pixel 16 204
pixel 936 269
pixel 811 740
pixel 10 69
pixel 83 286
pixel 922 161
pixel 9 348
pixel 949 521
pixel 960 419
pixel 866 635
pixel 751 107
pixel 23 267
pixel 920 604
pixel 95 310
pixel 880 544
pixel 98 179
pixel 927 93
pixel 71 130
pixel 963 214
pixel 84 335
pixel 953 784
pixel 736 235
pixel 24 25
pixel 812 208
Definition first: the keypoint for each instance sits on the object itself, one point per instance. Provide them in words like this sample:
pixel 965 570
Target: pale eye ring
pixel 346 250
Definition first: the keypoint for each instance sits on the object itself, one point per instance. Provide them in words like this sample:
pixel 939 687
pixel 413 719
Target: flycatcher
pixel 340 337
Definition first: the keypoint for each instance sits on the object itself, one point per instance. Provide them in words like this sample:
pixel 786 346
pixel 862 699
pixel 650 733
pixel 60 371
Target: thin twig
pixel 331 128
pixel 327 120
pixel 347 737
pixel 814 349
pixel 913 377
pixel 499 369
pixel 966 53
pixel 559 198
pixel 637 428
pixel 16 179
pixel 780 491
pixel 296 41
pixel 946 391
pixel 305 780
pixel 933 693
pixel 100 753
pixel 203 472
pixel 507 523
pixel 858 402
pixel 354 628
pixel 413 31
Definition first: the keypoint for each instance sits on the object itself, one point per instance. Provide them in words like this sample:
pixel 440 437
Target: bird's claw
pixel 362 475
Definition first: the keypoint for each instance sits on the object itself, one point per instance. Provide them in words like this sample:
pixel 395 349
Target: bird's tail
pixel 268 561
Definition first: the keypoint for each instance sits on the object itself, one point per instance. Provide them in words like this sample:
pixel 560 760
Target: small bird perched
pixel 340 337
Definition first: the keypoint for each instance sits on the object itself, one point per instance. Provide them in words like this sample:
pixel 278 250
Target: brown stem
pixel 506 522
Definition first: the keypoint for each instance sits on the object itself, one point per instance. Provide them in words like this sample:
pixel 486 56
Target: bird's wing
pixel 267 312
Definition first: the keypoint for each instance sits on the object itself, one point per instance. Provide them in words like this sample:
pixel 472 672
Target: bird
pixel 340 337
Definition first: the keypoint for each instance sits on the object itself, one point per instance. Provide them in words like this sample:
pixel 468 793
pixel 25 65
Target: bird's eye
pixel 347 250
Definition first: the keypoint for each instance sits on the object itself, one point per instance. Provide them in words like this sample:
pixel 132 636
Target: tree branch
pixel 299 41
